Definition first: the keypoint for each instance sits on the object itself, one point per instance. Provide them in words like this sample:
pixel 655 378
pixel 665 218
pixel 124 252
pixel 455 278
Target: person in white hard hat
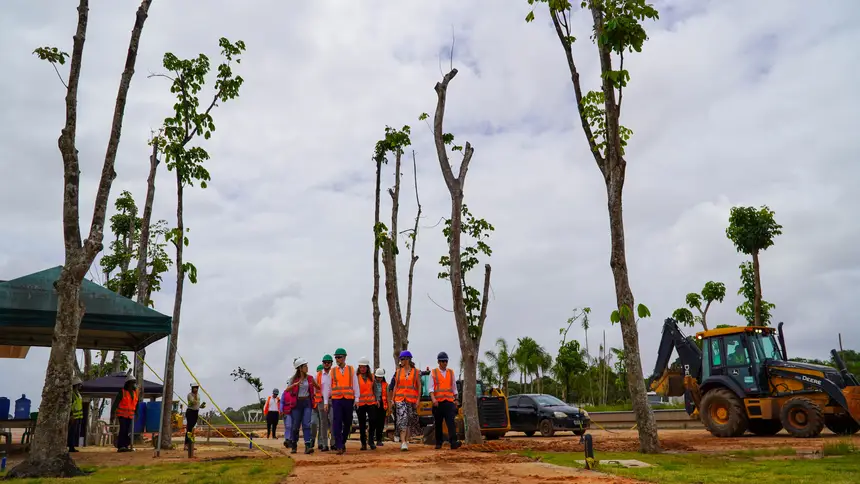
pixel 192 412
pixel 75 415
pixel 123 409
pixel 303 387
pixel 382 412
pixel 369 397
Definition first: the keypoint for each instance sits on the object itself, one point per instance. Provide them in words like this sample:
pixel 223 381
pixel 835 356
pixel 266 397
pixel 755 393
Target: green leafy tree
pixel 617 30
pixel 255 382
pixel 487 374
pixel 569 362
pixel 752 230
pixel 503 362
pixel 394 142
pixel 190 121
pixel 713 291
pixel 747 308
pixel 48 455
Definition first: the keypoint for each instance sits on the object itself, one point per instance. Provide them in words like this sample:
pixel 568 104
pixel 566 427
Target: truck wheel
pixel 723 413
pixel 841 425
pixel 546 428
pixel 530 433
pixel 802 418
pixel 765 428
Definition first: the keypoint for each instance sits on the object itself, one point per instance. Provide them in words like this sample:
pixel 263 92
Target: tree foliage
pixel 478 230
pixel 747 290
pixel 502 362
pixel 752 229
pixel 255 382
pixel 713 291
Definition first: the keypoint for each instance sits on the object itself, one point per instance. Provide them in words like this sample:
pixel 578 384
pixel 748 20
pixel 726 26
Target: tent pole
pixel 163 398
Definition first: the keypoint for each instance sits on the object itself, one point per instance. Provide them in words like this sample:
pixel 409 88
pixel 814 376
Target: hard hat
pixel 130 377
pixel 327 358
pixel 195 385
pixel 442 356
pixel 275 391
pixel 363 361
pixel 405 354
pixel 380 372
pixel 319 368
pixel 299 362
pixel 76 381
pixel 340 352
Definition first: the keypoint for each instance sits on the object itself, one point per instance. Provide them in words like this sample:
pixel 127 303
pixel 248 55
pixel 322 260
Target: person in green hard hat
pixel 341 396
pixel 321 418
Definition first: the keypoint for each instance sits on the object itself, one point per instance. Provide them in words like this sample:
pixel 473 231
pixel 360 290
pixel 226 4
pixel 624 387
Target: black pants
pixel 74 433
pixel 272 424
pixel 123 439
pixel 368 415
pixel 380 423
pixel 445 411
pixel 190 423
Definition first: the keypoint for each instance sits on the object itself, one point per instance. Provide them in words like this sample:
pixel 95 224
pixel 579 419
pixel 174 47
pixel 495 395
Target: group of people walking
pixel 322 406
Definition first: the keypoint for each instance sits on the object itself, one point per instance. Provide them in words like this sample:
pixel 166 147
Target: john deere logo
pixel 810 380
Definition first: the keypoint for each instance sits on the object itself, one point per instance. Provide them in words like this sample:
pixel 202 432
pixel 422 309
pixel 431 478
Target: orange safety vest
pixel 341 384
pixel 406 386
pixel 318 399
pixel 384 396
pixel 127 405
pixel 366 396
pixel 269 408
pixel 443 388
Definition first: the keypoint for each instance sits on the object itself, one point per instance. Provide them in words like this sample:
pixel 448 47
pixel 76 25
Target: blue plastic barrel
pixel 140 417
pixel 22 407
pixel 4 408
pixel 153 412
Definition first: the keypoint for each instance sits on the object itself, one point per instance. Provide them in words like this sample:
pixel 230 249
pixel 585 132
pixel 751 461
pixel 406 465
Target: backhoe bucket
pixel 852 396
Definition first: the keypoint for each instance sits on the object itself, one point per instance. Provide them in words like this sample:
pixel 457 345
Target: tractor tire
pixel 546 428
pixel 802 418
pixel 764 428
pixel 723 413
pixel 530 433
pixel 841 425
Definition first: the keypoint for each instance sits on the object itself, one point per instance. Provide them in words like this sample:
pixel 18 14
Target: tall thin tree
pixel 49 455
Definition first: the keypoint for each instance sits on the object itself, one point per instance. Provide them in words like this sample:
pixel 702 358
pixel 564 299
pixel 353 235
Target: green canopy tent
pixel 28 313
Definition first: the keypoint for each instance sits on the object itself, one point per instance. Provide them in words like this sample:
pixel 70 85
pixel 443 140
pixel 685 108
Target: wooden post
pixel 840 343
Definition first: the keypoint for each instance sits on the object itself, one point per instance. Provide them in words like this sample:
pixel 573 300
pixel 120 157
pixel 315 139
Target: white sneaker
pixel 404 446
pixel 397 438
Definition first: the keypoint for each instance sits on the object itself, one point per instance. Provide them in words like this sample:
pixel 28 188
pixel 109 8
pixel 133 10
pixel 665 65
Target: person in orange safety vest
pixel 443 393
pixel 406 388
pixel 369 396
pixel 382 410
pixel 123 408
pixel 272 413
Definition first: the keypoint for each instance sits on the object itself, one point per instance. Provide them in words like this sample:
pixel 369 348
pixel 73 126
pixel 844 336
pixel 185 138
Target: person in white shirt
pixel 192 412
pixel 443 393
pixel 321 420
pixel 272 413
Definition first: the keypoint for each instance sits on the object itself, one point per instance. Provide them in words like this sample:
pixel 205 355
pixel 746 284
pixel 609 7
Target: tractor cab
pixel 740 354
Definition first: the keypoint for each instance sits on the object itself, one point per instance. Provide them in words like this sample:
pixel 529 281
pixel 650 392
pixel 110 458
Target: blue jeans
pixel 287 426
pixel 301 413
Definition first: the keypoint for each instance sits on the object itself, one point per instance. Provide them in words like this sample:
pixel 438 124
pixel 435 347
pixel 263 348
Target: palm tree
pixel 503 363
pixel 487 374
pixel 531 358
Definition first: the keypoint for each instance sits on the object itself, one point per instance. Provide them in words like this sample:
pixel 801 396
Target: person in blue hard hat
pixel 405 390
pixel 443 393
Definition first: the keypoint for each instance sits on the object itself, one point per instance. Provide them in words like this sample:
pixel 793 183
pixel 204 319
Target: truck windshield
pixel 766 347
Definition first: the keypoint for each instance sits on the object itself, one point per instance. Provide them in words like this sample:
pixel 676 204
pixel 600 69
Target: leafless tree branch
pixel 438 305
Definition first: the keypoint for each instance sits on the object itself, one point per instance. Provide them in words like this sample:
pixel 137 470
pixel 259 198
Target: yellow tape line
pixel 219 408
pixel 185 403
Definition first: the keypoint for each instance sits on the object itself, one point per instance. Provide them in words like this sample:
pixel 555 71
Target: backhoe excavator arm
pixel 690 354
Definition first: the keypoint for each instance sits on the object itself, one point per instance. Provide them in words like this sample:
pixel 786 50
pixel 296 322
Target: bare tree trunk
pixel 166 424
pixel 375 297
pixel 412 257
pixel 757 298
pixel 48 455
pixel 389 261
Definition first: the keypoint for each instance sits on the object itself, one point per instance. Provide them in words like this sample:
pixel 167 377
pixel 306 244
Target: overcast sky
pixel 730 102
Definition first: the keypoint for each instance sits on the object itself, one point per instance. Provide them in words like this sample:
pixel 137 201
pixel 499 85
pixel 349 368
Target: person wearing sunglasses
pixel 405 388
pixel 342 394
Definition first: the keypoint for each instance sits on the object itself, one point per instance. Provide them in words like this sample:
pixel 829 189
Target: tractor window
pixel 716 356
pixel 766 348
pixel 736 351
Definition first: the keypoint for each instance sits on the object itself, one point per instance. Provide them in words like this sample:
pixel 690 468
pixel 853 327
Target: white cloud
pixel 730 103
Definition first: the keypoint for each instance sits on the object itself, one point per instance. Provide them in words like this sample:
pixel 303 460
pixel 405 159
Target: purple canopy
pixel 109 386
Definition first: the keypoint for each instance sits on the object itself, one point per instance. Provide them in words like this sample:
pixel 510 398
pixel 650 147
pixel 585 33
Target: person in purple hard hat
pixel 405 390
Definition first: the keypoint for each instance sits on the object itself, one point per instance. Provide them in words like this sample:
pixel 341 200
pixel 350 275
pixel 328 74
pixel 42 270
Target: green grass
pixel 843 447
pixel 238 471
pixel 765 466
pixel 627 407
